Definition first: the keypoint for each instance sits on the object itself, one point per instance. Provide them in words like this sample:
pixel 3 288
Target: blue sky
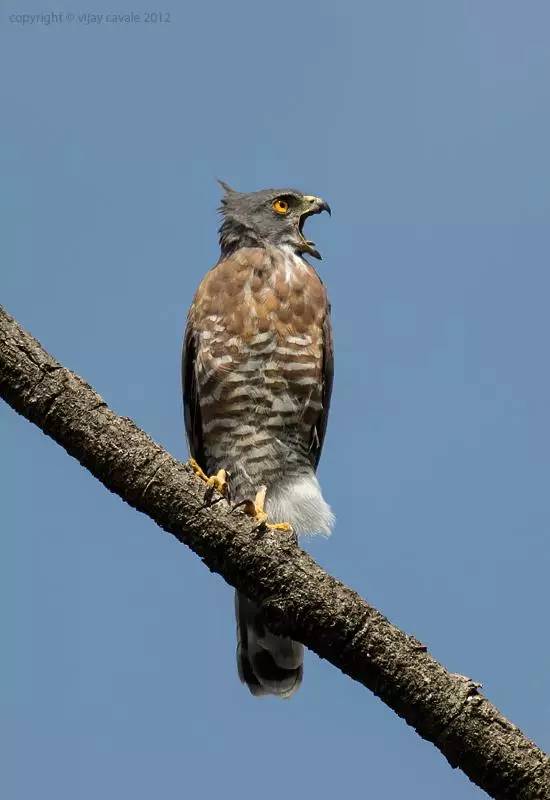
pixel 426 127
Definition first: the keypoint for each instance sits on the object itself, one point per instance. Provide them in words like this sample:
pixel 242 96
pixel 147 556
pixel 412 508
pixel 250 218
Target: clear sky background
pixel 426 126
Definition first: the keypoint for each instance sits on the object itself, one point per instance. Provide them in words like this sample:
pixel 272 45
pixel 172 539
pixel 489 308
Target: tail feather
pixel 270 664
pixel 267 664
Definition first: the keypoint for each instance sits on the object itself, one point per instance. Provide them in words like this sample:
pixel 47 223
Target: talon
pixel 255 509
pixel 197 469
pixel 286 527
pixel 218 481
pixel 251 508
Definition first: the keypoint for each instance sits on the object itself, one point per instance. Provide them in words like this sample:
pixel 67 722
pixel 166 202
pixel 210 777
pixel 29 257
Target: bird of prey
pixel 257 379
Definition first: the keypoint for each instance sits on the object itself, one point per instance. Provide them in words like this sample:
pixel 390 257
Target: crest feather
pixel 226 187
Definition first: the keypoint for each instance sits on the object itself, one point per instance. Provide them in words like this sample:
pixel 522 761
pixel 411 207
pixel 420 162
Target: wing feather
pixel 327 376
pixel 191 405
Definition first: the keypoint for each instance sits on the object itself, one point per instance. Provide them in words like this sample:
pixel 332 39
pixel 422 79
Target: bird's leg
pixel 255 508
pixel 218 481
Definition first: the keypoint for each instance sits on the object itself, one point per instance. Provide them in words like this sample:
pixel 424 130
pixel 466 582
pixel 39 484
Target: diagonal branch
pixel 298 597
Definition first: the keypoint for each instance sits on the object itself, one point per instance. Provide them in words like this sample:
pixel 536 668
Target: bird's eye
pixel 280 206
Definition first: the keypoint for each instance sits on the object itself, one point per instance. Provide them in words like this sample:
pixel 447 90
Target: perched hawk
pixel 257 378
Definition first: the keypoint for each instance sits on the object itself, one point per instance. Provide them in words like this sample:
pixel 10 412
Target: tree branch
pixel 298 597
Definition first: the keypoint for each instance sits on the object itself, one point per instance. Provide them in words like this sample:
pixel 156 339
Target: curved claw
pixel 255 509
pixel 218 481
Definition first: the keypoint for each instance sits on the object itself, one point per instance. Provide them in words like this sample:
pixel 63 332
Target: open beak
pixel 313 205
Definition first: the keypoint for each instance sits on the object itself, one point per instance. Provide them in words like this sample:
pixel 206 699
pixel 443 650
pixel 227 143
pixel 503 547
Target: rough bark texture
pixel 298 597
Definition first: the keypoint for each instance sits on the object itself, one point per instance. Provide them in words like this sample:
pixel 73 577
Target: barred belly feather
pixel 260 380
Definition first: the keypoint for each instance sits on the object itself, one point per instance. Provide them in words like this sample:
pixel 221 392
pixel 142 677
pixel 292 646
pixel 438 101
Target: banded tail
pixel 270 664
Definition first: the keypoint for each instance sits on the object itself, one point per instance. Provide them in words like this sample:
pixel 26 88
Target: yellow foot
pixel 255 509
pixel 217 481
pixel 286 527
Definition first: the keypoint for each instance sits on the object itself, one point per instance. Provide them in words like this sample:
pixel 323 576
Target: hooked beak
pixel 312 205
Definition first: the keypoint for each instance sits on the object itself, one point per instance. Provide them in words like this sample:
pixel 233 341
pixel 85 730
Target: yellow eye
pixel 280 206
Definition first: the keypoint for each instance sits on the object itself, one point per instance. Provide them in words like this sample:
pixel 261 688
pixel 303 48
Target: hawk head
pixel 271 216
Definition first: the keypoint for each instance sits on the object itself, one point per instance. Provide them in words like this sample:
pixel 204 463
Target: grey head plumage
pixel 269 217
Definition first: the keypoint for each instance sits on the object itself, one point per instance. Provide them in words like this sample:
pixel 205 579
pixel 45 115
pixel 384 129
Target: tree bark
pixel 298 598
